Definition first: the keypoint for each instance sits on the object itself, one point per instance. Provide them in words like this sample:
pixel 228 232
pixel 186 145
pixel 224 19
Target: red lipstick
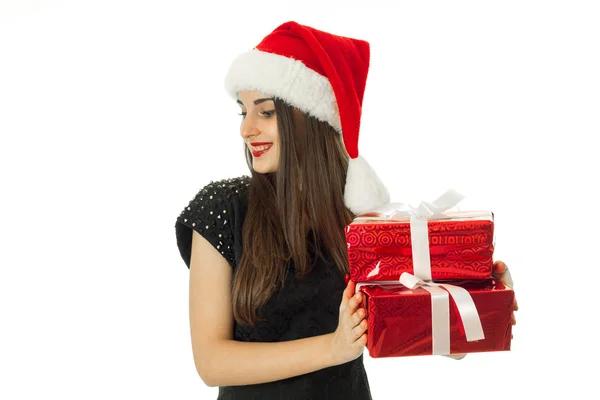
pixel 258 153
pixel 259 143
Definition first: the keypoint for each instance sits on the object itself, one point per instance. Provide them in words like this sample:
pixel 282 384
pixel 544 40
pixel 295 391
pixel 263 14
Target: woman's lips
pixel 258 149
pixel 259 143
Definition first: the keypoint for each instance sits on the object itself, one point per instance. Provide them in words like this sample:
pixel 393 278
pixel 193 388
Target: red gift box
pixel 460 247
pixel 400 319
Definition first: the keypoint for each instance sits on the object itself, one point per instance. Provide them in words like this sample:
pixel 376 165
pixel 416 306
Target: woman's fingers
pixel 456 356
pixel 349 292
pixel 499 267
pixel 347 295
pixel 506 279
pixel 360 329
pixel 354 302
pixel 358 316
pixel 501 272
pixel 352 313
pixel 362 340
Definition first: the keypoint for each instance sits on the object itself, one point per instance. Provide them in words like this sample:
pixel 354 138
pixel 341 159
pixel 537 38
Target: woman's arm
pixel 222 361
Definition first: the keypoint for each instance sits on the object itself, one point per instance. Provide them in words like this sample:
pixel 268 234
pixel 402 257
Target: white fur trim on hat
pixel 287 79
pixel 364 191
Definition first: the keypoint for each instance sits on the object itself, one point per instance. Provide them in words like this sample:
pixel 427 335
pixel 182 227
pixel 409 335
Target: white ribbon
pixel 419 232
pixel 440 310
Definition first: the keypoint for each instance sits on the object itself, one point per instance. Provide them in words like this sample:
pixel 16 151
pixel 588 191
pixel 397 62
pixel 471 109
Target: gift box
pixel 402 321
pixel 460 246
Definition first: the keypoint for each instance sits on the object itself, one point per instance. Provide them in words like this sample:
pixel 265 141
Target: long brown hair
pixel 304 197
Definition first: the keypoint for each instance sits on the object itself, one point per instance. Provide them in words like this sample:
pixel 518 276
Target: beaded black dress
pixel 300 309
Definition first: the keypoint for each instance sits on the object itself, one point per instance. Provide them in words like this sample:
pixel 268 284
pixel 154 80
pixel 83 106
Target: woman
pixel 271 316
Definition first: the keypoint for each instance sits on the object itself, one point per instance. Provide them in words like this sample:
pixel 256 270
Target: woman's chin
pixel 262 169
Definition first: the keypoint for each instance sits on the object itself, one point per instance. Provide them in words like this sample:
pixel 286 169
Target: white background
pixel 113 115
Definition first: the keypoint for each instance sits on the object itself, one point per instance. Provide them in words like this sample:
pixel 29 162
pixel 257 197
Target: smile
pixel 258 151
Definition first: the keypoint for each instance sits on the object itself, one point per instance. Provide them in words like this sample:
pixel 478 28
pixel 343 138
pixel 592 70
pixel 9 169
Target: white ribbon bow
pixel 440 311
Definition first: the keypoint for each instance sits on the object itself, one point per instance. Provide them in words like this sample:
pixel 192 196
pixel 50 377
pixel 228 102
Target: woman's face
pixel 259 130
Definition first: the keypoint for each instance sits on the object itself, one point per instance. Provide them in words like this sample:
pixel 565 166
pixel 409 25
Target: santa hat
pixel 324 75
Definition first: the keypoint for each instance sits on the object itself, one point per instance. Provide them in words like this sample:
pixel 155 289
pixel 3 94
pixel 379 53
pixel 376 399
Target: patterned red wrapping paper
pixel 460 248
pixel 399 319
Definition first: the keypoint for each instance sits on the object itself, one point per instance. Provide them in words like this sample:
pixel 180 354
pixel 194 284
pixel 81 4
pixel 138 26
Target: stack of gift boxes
pixel 426 277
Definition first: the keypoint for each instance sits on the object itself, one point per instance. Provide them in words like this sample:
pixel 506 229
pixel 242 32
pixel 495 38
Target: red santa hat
pixel 324 75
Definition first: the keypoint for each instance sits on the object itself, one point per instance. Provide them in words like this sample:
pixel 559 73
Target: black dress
pixel 302 308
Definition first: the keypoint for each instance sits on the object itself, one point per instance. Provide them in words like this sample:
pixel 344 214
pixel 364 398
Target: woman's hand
pixel 350 338
pixel 500 271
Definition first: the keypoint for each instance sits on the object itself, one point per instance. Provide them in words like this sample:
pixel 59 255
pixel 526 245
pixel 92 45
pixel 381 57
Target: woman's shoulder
pixel 228 187
pixel 216 212
pixel 216 193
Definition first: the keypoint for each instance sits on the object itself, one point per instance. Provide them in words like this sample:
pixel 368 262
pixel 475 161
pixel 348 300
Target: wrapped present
pixel 428 318
pixel 428 241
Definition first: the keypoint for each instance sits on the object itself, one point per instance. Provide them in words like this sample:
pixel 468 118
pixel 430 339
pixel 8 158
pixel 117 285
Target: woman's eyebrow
pixel 257 101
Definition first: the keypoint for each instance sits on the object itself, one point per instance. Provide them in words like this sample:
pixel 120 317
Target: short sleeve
pixel 211 213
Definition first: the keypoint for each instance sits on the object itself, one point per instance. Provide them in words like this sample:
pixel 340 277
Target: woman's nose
pixel 248 128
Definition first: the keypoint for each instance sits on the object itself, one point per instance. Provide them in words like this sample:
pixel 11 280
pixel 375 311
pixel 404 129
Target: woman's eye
pixel 265 113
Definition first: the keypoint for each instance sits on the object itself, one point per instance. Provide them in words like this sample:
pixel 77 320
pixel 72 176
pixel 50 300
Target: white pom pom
pixel 364 191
